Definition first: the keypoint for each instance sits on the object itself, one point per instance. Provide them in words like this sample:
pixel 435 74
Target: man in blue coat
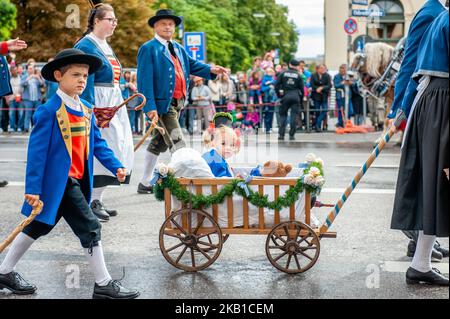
pixel 406 88
pixel 163 69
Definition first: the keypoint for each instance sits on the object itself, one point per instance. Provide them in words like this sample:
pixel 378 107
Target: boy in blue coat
pixel 61 150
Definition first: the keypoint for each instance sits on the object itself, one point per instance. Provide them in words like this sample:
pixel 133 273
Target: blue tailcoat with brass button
pixel 156 73
pixel 5 86
pixel 50 156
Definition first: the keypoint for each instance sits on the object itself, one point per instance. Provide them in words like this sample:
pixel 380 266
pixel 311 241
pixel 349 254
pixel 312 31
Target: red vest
pixel 180 82
pixel 78 133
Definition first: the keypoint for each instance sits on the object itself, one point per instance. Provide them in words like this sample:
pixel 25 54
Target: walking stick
pixel 377 150
pixel 36 211
pixel 147 134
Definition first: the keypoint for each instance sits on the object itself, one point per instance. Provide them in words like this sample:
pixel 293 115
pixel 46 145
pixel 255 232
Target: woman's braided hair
pixel 98 11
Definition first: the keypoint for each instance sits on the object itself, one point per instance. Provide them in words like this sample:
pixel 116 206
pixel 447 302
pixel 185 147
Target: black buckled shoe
pixel 441 249
pixel 99 210
pixel 142 189
pixel 436 256
pixel 114 290
pixel 16 284
pixel 3 183
pixel 432 277
pixel 110 212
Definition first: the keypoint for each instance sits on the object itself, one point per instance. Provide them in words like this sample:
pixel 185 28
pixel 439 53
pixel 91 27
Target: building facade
pixel 389 28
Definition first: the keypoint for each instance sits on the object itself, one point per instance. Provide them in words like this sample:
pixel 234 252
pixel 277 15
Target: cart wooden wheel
pixel 190 239
pixel 292 247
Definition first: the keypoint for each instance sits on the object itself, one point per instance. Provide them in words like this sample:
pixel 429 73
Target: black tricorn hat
pixel 70 56
pixel 164 14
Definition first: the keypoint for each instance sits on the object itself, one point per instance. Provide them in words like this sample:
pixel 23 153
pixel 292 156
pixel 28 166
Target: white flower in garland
pixel 310 158
pixel 319 161
pixel 164 169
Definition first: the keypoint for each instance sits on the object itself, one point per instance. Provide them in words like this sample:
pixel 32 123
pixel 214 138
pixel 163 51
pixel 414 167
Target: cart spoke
pixel 278 237
pixel 207 234
pixel 276 247
pixel 207 244
pixel 307 256
pixel 297 262
pixel 288 261
pixel 192 257
pixel 199 224
pixel 174 247
pixel 287 232
pixel 283 254
pixel 178 226
pixel 297 233
pixel 173 235
pixel 203 252
pixel 189 221
pixel 181 255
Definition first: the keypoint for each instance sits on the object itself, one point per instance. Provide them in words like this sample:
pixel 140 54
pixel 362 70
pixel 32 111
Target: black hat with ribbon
pixel 164 14
pixel 70 56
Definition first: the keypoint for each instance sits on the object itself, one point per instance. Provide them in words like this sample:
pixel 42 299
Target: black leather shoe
pixel 433 277
pixel 16 284
pixel 441 249
pixel 281 138
pixel 142 189
pixel 114 290
pixel 3 183
pixel 110 212
pixel 436 256
pixel 99 210
pixel 291 138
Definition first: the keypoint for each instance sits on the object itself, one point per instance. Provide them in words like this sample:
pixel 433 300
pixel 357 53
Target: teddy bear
pixel 275 169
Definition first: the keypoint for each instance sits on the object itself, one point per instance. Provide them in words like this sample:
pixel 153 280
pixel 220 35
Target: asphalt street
pixel 366 260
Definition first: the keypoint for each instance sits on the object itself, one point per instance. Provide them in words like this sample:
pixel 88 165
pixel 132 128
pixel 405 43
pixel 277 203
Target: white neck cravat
pixel 73 103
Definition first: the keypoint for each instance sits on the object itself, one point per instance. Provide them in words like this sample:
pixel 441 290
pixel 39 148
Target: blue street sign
pixel 195 45
pixel 361 2
pixel 367 13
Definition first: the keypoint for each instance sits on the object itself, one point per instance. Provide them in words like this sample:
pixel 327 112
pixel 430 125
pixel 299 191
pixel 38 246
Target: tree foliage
pixel 51 25
pixel 233 35
pixel 8 14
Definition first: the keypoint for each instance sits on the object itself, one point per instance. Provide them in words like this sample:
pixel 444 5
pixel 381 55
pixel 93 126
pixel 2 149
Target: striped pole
pixel 330 219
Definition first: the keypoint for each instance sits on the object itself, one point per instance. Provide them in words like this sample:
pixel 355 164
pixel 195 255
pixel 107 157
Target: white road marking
pixel 402 266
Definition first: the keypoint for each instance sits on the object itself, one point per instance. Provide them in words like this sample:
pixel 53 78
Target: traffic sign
pixel 350 26
pixel 367 13
pixel 195 45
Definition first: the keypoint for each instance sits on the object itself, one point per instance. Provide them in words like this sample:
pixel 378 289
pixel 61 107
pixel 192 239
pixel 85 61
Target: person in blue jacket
pixel 59 173
pixel 163 69
pixel 423 188
pixel 5 85
pixel 406 89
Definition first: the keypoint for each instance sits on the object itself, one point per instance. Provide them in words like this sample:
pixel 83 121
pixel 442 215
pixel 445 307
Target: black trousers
pixel 78 215
pixel 290 101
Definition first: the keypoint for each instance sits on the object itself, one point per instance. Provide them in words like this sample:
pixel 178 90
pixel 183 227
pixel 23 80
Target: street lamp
pixel 259 15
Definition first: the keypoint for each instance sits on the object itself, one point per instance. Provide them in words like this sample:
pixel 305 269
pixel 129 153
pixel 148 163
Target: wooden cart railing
pixel 247 229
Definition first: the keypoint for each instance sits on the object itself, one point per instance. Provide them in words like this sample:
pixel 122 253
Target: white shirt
pixel 163 41
pixel 73 103
pixel 103 44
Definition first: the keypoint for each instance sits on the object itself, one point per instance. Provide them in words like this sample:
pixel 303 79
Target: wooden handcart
pixel 191 239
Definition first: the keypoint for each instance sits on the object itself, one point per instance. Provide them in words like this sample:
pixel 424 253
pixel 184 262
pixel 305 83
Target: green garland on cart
pixel 256 199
